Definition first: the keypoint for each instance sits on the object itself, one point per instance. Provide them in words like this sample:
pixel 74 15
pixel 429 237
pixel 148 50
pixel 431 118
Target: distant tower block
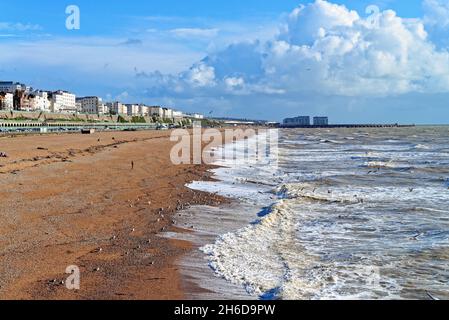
pixel 298 121
pixel 320 121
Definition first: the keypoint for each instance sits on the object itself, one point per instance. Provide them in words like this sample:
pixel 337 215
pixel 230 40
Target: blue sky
pixel 256 59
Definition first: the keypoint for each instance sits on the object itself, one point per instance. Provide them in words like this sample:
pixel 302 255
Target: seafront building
pixel 16 96
pixel 298 121
pixel 62 102
pixel 196 116
pixel 167 113
pixel 117 108
pixel 304 121
pixel 177 114
pixel 6 101
pixel 320 121
pixel 40 101
pixel 35 101
pixel 133 110
pixel 92 105
pixel 144 110
pixel 156 111
pixel 12 87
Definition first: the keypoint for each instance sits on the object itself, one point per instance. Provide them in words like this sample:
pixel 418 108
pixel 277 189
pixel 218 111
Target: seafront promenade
pixel 44 127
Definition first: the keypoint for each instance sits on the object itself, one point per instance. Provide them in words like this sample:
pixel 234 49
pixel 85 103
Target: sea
pixel 333 214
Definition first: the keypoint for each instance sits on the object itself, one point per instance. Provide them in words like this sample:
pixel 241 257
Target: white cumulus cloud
pixel 325 48
pixel 195 33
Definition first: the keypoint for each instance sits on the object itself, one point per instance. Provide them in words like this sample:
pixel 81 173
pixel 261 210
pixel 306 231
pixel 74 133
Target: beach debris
pixel 97 269
pixel 3 155
pixel 152 263
pixel 41 148
pixel 432 297
pixel 411 189
pixel 132 165
pixel 114 238
pixel 133 230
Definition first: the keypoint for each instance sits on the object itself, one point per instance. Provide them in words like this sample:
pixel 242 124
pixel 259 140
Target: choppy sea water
pixel 342 214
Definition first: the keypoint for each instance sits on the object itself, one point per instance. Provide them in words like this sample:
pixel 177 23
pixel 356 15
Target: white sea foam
pixel 333 231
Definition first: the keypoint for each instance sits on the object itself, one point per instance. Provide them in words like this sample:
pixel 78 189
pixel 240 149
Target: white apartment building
pixel 133 109
pixel 144 110
pixel 177 114
pixel 168 113
pixel 195 116
pixel 78 107
pixel 63 102
pixel 103 109
pixel 117 108
pixel 156 112
pixel 39 101
pixel 91 105
pixel 7 101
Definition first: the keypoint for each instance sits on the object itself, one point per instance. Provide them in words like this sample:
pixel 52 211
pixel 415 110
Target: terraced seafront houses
pixel 15 96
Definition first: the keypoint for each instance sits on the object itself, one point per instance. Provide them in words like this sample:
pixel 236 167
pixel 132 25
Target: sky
pixel 355 61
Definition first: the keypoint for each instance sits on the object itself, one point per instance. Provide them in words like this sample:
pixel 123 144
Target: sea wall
pixel 44 116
